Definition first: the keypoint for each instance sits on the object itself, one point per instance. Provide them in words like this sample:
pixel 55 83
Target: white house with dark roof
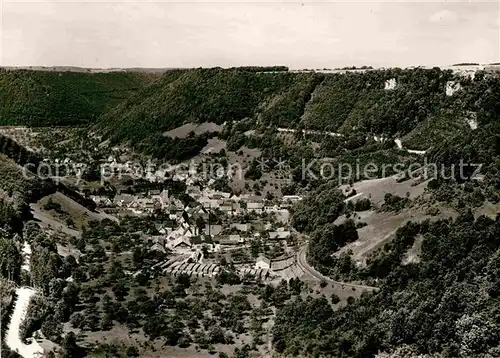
pixel 180 243
pixel 262 263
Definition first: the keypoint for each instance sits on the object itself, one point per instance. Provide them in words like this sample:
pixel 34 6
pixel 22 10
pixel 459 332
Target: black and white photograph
pixel 249 179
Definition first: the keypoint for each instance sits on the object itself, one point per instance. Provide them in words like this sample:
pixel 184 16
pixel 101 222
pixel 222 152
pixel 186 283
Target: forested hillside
pixel 15 190
pixel 417 108
pixel 446 304
pixel 16 183
pixel 48 98
pixel 138 107
pixel 208 95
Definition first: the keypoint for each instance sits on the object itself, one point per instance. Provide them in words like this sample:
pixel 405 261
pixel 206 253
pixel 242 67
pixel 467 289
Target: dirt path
pixel 290 130
pixel 26 256
pixel 411 151
pixel 13 339
pixel 353 197
pixel 77 207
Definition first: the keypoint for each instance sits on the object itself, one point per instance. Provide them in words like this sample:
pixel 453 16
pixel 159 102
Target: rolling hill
pixel 413 104
pixel 49 98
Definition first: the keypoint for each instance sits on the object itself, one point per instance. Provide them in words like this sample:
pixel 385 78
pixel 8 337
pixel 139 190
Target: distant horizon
pixel 325 34
pixel 343 68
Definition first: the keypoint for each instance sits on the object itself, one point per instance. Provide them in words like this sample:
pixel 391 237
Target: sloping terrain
pixel 67 211
pixel 43 98
pixel 15 181
pixel 416 107
pixel 204 95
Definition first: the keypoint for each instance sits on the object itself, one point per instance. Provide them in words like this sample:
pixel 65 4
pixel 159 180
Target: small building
pixel 207 202
pixel 262 263
pixel 179 206
pixel 124 199
pixel 187 230
pixel 161 240
pixel 158 247
pixel 255 207
pixel 241 227
pixel 292 198
pixel 165 227
pixel 164 196
pixel 221 195
pixel 181 243
pixel 279 235
pixel 202 213
pixel 229 240
pixel 236 208
pixel 235 198
pixel 227 209
pixel 236 238
pixel 102 201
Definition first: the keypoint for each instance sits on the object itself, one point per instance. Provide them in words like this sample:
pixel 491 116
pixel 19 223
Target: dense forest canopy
pixel 447 304
pixel 201 95
pixel 138 108
pixel 417 109
pixel 50 98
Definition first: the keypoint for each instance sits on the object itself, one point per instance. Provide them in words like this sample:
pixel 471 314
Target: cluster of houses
pixel 214 220
pixel 217 222
pixel 191 231
pixel 230 204
pixel 141 203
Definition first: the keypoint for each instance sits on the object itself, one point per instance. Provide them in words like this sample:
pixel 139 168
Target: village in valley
pixel 251 231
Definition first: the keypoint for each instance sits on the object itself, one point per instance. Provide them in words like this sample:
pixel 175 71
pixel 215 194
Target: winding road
pixel 23 298
pixel 305 131
pixel 304 265
pixel 336 134
pixel 13 338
